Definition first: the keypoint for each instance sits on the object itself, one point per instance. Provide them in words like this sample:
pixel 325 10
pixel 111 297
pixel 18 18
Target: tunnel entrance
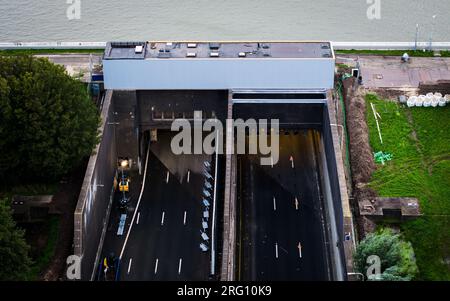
pixel 288 217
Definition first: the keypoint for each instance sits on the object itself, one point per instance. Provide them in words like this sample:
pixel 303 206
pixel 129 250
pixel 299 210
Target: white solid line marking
pixel 271 161
pixel 296 204
pixel 167 177
pixel 156 266
pixel 162 218
pixel 276 250
pixel 138 216
pixel 299 250
pixel 188 175
pixel 129 265
pixel 184 218
pixel 274 204
pixel 179 266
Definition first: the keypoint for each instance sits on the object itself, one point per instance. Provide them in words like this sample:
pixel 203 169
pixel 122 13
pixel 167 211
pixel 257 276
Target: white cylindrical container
pixel 442 102
pixel 427 101
pixel 420 100
pixel 411 102
pixel 434 102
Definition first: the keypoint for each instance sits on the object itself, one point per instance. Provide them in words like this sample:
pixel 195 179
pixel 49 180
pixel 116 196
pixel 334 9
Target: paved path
pixel 390 72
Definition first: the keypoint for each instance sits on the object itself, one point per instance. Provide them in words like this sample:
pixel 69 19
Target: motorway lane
pixel 156 244
pixel 270 230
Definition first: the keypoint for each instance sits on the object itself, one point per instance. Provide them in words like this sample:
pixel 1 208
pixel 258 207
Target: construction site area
pixel 397 151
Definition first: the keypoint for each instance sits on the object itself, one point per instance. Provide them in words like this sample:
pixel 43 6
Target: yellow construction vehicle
pixel 124 184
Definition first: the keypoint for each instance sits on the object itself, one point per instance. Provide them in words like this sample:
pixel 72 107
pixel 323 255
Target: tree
pixel 396 256
pixel 14 261
pixel 47 121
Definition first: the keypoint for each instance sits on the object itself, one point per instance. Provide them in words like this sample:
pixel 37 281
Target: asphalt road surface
pixel 164 242
pixel 281 224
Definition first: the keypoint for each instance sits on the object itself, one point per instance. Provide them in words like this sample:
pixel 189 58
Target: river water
pixel 336 20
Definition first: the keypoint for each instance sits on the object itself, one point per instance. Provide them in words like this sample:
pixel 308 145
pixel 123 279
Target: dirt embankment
pixel 442 86
pixel 361 156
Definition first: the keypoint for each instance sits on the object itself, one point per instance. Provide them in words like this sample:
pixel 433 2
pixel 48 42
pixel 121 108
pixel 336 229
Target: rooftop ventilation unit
pixel 191 54
pixel 139 49
pixel 164 54
pixel 214 46
pixel 214 54
pixel 242 54
pixel 192 45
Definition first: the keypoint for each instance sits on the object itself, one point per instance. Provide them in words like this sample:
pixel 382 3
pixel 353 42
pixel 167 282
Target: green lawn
pixel 420 168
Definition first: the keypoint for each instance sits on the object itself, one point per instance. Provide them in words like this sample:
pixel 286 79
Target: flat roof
pixel 217 50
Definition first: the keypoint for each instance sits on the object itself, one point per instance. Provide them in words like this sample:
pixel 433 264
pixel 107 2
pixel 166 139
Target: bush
pixel 48 123
pixel 396 256
pixel 14 261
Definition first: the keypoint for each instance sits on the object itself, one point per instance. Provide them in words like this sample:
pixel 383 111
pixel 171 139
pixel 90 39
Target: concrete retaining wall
pixel 94 202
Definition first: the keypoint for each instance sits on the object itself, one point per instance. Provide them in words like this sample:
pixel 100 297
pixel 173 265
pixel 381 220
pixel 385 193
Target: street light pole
pixel 431 33
pixel 417 37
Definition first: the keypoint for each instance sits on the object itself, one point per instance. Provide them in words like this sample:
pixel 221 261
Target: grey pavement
pixel 390 72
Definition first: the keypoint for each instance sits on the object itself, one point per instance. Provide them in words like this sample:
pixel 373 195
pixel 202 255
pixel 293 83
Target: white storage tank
pixel 411 101
pixel 420 100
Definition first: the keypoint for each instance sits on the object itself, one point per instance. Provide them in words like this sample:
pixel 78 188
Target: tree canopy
pixel 14 261
pixel 48 123
pixel 396 256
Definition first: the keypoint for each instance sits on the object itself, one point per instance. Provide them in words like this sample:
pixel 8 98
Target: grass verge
pixel 388 52
pixel 50 51
pixel 419 139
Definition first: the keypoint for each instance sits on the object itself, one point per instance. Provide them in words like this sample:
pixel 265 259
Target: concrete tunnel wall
pixel 95 199
pixel 333 181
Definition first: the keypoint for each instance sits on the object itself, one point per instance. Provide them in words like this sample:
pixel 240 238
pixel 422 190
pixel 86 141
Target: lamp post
pixel 417 37
pixel 431 33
